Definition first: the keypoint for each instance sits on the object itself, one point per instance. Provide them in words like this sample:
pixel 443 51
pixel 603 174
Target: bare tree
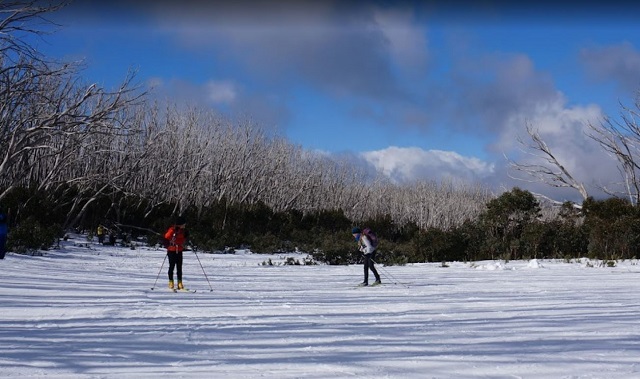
pixel 19 19
pixel 197 159
pixel 621 139
pixel 49 120
pixel 550 170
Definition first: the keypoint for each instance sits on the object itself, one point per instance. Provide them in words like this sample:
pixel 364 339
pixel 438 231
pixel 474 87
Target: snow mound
pixel 492 266
pixel 534 264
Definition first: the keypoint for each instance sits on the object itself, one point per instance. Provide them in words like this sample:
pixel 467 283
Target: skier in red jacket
pixel 177 235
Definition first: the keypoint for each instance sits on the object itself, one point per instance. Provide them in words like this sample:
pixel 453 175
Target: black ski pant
pixel 3 245
pixel 175 260
pixel 369 260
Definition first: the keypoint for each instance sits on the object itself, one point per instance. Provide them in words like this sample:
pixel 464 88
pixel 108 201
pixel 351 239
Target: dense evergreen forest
pixel 75 156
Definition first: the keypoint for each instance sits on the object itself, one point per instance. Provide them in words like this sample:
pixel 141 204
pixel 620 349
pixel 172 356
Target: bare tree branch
pixel 621 139
pixel 550 172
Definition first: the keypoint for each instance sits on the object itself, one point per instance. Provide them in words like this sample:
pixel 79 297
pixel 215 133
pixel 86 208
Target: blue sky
pixel 421 90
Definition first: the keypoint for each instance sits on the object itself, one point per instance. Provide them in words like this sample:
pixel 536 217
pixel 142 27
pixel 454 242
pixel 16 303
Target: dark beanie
pixel 180 220
pixel 356 230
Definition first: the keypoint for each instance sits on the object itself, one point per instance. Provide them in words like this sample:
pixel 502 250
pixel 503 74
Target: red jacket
pixel 176 236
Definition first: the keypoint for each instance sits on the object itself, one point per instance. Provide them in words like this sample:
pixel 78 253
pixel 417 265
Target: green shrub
pixel 265 243
pixel 336 253
pixel 394 260
pixel 30 236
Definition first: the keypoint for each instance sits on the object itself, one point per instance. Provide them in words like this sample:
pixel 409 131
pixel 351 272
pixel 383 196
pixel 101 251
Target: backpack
pixel 371 236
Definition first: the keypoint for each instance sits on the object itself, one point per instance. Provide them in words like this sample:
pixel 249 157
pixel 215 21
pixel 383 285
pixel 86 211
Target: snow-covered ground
pixel 90 312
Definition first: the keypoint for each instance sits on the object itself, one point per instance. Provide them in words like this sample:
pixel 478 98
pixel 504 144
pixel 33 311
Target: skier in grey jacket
pixel 366 246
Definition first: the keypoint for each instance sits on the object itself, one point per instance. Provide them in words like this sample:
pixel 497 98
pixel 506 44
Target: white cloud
pixel 404 164
pixel 563 129
pixel 407 40
pixel 221 92
pixel 515 95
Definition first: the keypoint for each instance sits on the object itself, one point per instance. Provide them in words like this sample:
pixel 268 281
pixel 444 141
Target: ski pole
pixel 205 274
pixel 388 274
pixel 159 271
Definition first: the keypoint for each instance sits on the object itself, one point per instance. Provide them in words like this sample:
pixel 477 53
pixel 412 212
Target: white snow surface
pixel 88 311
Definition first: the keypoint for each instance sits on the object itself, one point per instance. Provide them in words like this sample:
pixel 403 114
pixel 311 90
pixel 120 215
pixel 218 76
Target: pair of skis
pixel 177 290
pixel 361 285
pixel 182 290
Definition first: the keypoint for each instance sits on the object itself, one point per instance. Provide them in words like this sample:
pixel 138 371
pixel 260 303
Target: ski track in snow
pixel 90 312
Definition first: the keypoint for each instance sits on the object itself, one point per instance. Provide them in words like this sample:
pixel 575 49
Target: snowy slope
pixel 89 312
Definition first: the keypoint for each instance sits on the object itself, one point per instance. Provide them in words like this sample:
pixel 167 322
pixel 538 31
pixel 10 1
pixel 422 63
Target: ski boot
pixel 180 285
pixel 171 284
